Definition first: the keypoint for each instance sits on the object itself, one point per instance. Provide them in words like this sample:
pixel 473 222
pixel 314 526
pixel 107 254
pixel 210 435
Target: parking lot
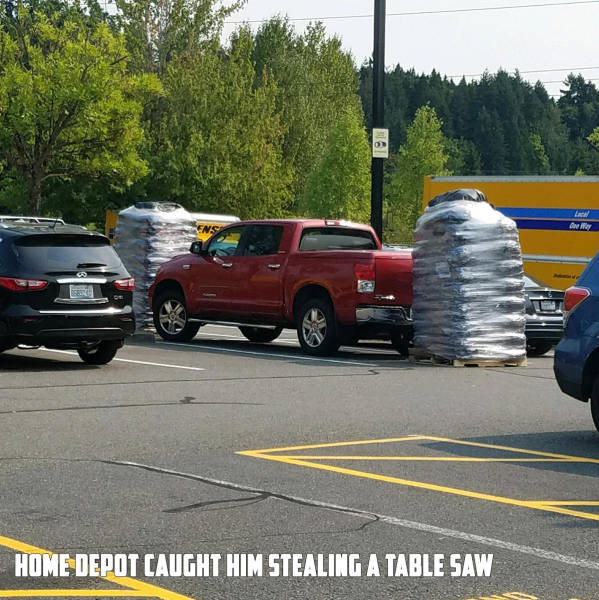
pixel 222 446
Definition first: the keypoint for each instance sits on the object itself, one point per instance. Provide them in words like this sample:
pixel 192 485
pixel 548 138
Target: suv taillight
pixel 574 296
pixel 16 284
pixel 364 278
pixel 127 285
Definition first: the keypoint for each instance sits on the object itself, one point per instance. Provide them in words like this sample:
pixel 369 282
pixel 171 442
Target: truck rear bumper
pixel 392 316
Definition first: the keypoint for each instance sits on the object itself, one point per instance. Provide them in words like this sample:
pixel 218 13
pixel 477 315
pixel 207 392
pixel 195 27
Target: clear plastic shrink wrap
pixel 148 234
pixel 468 285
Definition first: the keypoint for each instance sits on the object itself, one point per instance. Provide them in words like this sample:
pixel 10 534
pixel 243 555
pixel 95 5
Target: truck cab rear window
pixel 336 238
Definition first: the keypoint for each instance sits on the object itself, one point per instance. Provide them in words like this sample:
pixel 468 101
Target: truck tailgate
pixel 393 277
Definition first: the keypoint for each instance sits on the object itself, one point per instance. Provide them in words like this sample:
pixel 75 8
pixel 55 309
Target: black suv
pixel 62 286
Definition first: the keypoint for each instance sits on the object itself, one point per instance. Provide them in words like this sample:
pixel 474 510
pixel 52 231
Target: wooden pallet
pixel 420 354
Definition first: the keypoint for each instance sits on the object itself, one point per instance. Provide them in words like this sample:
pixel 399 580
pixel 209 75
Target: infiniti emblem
pixel 82 274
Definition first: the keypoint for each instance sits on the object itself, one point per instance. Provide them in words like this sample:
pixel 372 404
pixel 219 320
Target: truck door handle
pixel 274 266
pixel 226 265
pixel 186 267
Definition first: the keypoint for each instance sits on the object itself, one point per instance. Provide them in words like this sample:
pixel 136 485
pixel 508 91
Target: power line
pixel 426 12
pixel 562 81
pixel 529 71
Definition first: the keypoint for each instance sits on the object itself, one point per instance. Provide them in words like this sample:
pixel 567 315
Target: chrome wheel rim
pixel 314 327
pixel 172 316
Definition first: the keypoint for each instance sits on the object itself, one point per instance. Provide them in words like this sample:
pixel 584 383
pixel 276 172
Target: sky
pixel 557 39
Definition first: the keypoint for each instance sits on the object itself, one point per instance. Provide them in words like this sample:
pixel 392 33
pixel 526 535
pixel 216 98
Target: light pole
pixel 378 116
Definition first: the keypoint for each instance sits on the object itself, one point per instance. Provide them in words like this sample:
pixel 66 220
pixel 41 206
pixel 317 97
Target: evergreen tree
pixel 218 148
pixel 316 82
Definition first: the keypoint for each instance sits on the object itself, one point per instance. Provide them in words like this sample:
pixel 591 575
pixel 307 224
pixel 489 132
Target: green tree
pixel 67 104
pixel 316 82
pixel 424 153
pixel 157 31
pixel 539 158
pixel 217 146
pixel 594 138
pixel 339 185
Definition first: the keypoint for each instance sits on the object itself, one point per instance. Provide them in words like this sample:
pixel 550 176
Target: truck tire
pixel 171 318
pixel 595 402
pixel 261 335
pixel 317 328
pixel 401 342
pixel 538 347
pixel 101 354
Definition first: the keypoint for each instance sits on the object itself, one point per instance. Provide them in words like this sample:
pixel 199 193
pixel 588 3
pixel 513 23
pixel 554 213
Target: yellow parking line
pixel 513 449
pixel 72 593
pixel 144 589
pixel 430 438
pixel 409 438
pixel 428 458
pixel 546 506
pixel 570 503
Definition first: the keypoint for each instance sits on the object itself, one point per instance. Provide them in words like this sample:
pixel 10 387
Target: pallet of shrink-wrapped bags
pixel 147 235
pixel 468 283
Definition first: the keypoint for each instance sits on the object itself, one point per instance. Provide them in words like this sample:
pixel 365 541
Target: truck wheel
pixel 101 354
pixel 401 342
pixel 595 402
pixel 260 335
pixel 317 328
pixel 538 347
pixel 171 319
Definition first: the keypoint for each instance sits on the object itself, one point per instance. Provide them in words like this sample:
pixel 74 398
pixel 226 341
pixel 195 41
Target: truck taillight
pixel 22 285
pixel 365 277
pixel 574 296
pixel 127 285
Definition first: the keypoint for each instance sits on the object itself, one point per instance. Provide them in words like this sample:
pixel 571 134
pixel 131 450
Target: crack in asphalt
pixel 519 374
pixel 261 493
pixel 369 373
pixel 247 500
pixel 184 402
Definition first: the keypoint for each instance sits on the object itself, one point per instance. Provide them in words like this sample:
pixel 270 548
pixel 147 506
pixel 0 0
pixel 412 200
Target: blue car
pixel 576 362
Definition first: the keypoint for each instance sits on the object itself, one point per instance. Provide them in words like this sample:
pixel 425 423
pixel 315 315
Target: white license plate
pixel 548 305
pixel 81 290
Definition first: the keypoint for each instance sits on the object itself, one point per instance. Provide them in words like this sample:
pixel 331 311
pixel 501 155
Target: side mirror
pixel 196 248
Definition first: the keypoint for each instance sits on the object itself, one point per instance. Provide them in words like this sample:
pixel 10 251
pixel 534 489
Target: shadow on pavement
pixel 19 360
pixel 583 444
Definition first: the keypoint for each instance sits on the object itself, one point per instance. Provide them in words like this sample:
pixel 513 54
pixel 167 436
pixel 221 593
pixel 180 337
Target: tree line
pixel 99 110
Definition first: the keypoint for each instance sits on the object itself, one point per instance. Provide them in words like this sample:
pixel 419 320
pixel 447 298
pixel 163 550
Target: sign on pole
pixel 380 143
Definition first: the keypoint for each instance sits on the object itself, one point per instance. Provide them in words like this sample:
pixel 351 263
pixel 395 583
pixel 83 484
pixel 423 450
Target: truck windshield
pixel 336 238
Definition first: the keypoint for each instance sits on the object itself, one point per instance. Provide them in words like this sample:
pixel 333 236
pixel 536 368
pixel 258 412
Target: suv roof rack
pixel 20 227
pixel 30 220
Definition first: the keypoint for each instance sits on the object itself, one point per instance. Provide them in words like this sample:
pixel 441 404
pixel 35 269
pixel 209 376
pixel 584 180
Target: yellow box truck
pixel 557 217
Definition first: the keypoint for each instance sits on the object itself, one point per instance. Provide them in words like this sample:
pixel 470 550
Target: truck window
pixel 336 238
pixel 263 240
pixel 225 243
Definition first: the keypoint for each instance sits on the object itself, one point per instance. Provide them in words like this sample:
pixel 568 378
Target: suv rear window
pixel 59 252
pixel 336 238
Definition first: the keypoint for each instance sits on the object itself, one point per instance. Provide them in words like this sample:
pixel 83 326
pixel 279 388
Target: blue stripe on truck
pixel 556 225
pixel 549 213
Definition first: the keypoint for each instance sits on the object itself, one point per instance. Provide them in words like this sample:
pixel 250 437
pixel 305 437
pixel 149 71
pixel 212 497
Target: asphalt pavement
pixel 252 452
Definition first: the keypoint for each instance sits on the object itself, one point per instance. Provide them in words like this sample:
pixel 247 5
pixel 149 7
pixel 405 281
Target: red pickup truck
pixel 330 280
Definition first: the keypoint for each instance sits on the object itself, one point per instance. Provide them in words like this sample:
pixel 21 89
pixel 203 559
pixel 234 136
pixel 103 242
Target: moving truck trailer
pixel 557 217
